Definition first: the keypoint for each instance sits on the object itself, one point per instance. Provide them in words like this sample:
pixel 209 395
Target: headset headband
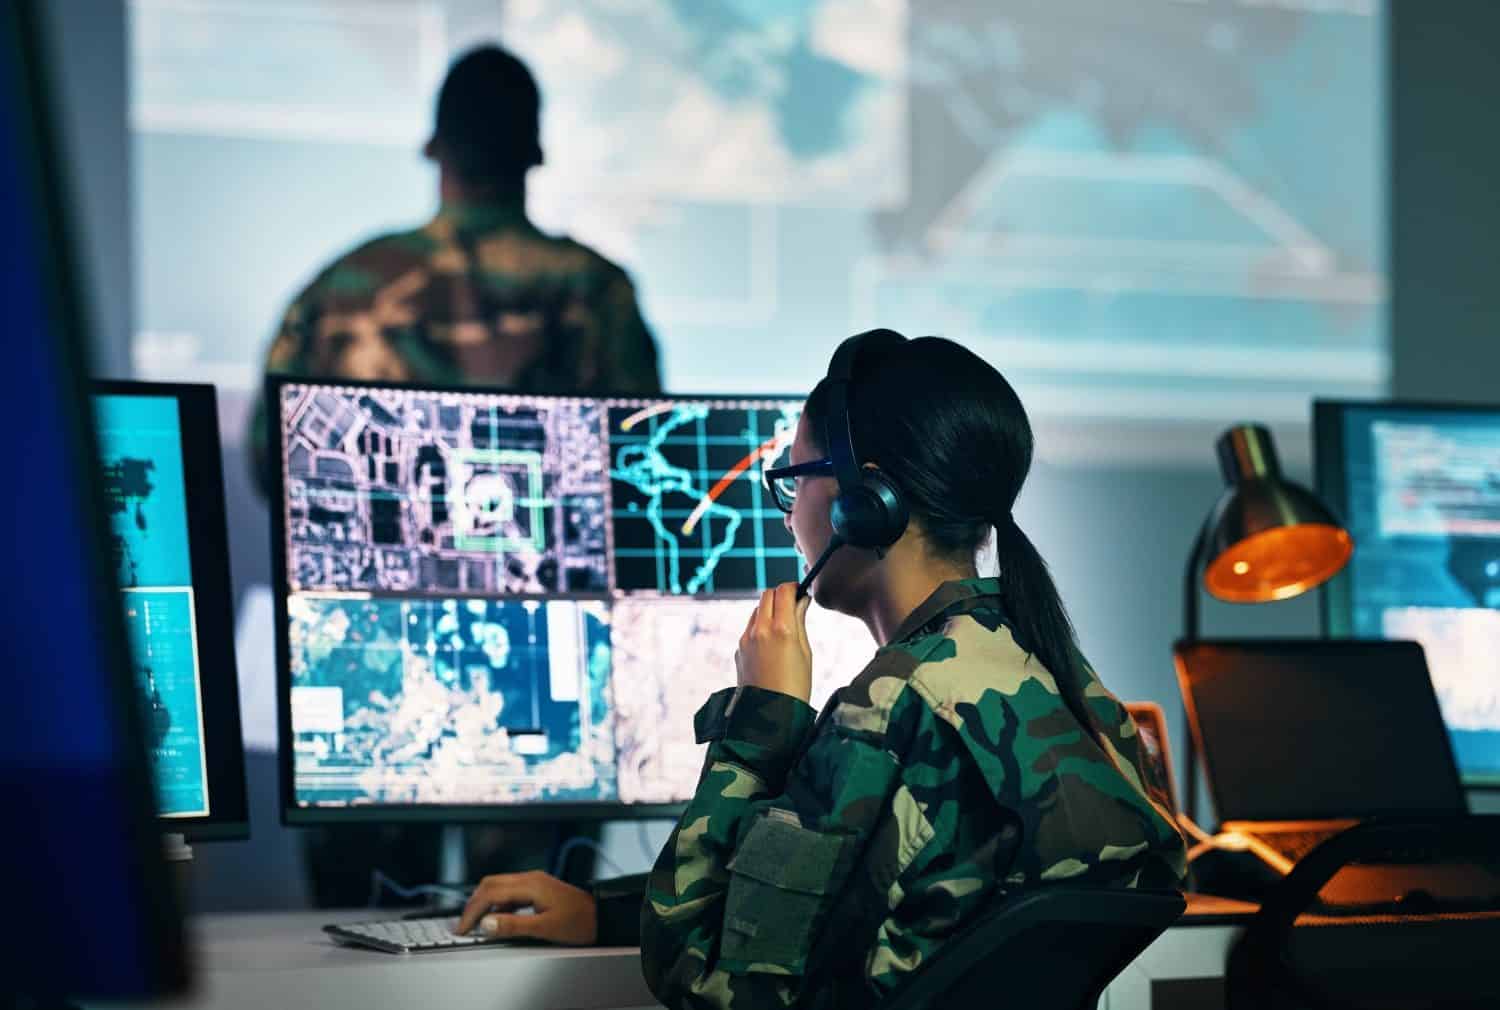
pixel 838 432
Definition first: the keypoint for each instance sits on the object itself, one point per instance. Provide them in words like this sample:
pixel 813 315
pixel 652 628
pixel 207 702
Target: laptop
pixel 1301 739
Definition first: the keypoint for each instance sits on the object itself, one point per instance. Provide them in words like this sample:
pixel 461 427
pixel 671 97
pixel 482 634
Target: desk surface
pixel 1211 910
pixel 273 960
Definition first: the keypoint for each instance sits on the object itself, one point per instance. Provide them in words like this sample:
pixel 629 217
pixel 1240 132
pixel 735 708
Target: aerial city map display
pixel 146 501
pixel 398 491
pixel 497 599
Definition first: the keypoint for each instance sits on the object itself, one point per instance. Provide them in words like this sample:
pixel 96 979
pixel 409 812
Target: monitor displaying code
pixel 1421 493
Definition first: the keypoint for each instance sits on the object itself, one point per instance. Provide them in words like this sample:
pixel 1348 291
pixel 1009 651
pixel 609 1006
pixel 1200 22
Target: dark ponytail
pixel 1033 606
pixel 948 429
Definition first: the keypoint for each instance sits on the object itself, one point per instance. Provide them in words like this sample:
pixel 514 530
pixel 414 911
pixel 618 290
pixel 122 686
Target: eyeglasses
pixel 781 481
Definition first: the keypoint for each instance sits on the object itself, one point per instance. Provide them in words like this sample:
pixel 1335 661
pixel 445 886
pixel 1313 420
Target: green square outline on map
pixel 534 500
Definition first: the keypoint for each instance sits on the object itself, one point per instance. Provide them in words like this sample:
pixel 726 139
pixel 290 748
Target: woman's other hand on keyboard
pixel 563 913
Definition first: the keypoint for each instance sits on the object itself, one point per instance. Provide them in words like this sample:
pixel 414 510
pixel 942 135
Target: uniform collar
pixel 483 216
pixel 948 600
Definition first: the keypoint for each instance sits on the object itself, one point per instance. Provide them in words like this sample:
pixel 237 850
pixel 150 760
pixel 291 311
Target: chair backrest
pixel 1405 951
pixel 1049 948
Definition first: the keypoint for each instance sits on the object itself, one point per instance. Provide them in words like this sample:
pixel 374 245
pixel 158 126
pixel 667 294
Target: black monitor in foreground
pixel 89 912
pixel 1419 488
pixel 497 605
pixel 164 497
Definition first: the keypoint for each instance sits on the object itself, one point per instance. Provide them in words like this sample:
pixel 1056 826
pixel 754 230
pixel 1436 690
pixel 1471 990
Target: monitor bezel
pixel 228 818
pixel 296 815
pixel 1330 480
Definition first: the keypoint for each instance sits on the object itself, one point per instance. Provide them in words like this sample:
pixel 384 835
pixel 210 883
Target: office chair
pixel 1379 950
pixel 1051 948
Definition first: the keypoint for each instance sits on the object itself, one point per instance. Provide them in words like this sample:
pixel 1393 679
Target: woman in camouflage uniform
pixel 825 857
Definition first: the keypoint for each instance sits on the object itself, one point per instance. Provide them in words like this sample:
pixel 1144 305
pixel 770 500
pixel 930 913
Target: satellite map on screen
pixel 446 701
pixel 404 491
pixel 670 655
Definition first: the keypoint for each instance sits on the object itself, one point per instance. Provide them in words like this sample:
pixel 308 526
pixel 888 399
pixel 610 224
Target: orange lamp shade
pixel 1267 537
pixel 1278 563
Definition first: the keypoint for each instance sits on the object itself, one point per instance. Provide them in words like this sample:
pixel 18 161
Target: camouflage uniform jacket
pixel 477 296
pixel 949 771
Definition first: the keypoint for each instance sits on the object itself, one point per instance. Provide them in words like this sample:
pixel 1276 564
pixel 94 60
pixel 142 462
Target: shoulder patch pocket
pixel 780 880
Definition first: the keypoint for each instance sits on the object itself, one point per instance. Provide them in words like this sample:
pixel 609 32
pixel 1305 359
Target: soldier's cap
pixel 488 116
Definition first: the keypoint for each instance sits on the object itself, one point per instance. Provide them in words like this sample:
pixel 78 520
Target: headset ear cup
pixel 873 515
pixel 893 511
pixel 845 517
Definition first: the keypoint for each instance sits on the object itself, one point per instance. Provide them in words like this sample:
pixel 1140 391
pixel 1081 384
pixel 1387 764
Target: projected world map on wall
pixel 1143 210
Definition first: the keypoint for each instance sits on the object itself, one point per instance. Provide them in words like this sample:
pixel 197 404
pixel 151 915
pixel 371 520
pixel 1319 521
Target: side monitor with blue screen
pixel 164 501
pixel 1419 489
pixel 496 604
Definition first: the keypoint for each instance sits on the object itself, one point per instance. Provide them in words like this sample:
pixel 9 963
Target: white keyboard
pixel 408 936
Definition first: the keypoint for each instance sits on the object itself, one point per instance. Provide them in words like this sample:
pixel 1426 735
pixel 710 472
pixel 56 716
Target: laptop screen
pixel 1302 730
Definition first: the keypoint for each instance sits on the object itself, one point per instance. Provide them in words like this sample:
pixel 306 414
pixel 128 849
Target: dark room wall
pixel 89 51
pixel 1445 200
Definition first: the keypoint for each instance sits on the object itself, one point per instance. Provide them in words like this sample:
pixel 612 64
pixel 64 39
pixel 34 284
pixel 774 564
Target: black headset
pixel 870 511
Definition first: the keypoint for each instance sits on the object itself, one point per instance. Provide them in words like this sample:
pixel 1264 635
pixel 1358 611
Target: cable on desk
pixel 564 850
pixel 651 852
pixel 379 882
pixel 1190 826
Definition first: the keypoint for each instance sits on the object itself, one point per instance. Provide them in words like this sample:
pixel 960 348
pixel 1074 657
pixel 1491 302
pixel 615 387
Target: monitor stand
pixel 179 857
pixel 175 848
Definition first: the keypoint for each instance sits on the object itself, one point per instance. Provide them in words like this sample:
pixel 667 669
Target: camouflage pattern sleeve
pixel 736 895
pixel 288 355
pixel 630 359
pixel 954 769
pixel 1003 790
pixel 356 320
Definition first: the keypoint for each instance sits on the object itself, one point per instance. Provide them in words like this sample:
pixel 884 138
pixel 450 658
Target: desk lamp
pixel 1266 539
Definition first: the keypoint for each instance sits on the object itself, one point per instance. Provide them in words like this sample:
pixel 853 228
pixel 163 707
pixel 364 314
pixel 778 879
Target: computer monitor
pixel 1419 488
pixel 502 605
pixel 164 497
pixel 89 912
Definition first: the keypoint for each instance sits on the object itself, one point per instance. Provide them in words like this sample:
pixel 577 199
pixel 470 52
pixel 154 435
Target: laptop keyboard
pixel 1294 844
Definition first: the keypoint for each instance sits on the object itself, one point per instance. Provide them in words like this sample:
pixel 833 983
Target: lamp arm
pixel 1190 633
pixel 1190 587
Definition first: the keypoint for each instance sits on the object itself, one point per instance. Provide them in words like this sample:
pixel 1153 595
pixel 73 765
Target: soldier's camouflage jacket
pixel 951 770
pixel 477 296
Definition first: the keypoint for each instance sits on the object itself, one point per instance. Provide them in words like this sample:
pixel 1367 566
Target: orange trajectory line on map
pixel 641 415
pixel 729 478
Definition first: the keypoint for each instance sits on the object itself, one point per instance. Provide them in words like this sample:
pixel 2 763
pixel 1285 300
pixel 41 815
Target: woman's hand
pixel 774 653
pixel 563 913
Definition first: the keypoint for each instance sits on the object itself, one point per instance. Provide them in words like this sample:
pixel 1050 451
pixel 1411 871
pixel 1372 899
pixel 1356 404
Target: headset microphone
pixel 805 585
